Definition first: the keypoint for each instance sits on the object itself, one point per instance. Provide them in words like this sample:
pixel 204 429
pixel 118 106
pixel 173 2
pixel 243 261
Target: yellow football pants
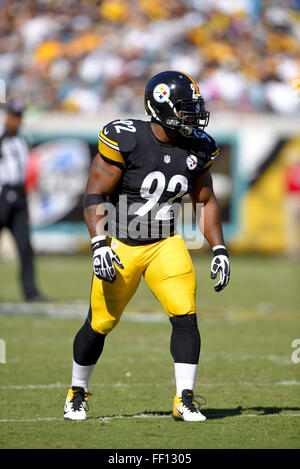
pixel 168 271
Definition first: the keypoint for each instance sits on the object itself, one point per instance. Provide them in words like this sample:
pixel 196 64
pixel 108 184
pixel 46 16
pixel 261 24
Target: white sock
pixel 81 375
pixel 185 376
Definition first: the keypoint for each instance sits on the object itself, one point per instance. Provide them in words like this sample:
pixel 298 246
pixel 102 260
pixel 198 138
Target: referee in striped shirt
pixel 14 152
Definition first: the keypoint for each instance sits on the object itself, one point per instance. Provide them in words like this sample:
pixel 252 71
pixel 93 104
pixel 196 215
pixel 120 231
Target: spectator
pixel 79 55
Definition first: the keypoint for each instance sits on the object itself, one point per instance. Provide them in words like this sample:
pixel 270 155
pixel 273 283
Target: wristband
pixel 220 250
pixel 97 238
pixel 98 242
pixel 92 199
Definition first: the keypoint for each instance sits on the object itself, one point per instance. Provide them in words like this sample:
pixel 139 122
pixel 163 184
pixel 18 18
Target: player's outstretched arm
pixel 103 179
pixel 211 226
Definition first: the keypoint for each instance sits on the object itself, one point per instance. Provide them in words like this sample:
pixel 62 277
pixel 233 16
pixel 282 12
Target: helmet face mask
pixel 173 99
pixel 192 115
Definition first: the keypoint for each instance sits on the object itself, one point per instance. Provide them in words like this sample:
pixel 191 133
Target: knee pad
pixel 185 339
pixel 102 321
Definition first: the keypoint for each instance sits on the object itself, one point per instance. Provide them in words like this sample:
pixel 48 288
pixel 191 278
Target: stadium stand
pixel 93 56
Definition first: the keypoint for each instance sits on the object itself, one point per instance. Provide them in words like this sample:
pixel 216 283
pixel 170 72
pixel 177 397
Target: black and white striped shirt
pixel 14 153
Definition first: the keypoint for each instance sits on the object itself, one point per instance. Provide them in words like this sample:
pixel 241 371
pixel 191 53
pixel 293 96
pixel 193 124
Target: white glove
pixel 220 264
pixel 104 259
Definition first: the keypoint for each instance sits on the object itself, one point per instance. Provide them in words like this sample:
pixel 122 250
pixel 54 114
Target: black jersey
pixel 156 176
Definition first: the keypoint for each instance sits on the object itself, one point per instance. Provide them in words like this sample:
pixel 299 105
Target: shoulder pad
pixel 116 140
pixel 206 144
pixel 120 135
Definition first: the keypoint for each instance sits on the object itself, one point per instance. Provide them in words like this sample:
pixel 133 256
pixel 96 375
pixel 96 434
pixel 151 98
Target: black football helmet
pixel 172 98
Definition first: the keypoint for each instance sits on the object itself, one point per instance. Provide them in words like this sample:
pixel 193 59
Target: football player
pixel 143 169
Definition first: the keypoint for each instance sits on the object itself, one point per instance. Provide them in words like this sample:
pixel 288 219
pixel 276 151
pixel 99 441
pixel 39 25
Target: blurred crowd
pixel 93 55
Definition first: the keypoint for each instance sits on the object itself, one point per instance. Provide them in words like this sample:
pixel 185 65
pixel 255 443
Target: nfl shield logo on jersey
pixel 167 159
pixel 191 161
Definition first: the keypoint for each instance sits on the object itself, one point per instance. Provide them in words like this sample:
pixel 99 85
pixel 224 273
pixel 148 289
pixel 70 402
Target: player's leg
pixel 107 302
pixel 106 306
pixel 171 277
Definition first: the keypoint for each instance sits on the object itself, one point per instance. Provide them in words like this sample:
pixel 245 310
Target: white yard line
pixel 139 416
pixel 120 385
pixel 79 309
pixel 72 310
pixel 41 419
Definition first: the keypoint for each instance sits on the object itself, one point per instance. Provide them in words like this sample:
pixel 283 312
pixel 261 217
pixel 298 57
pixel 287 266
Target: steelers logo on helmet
pixel 191 162
pixel 161 93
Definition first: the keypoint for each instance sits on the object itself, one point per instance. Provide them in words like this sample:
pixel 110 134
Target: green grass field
pixel 246 373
